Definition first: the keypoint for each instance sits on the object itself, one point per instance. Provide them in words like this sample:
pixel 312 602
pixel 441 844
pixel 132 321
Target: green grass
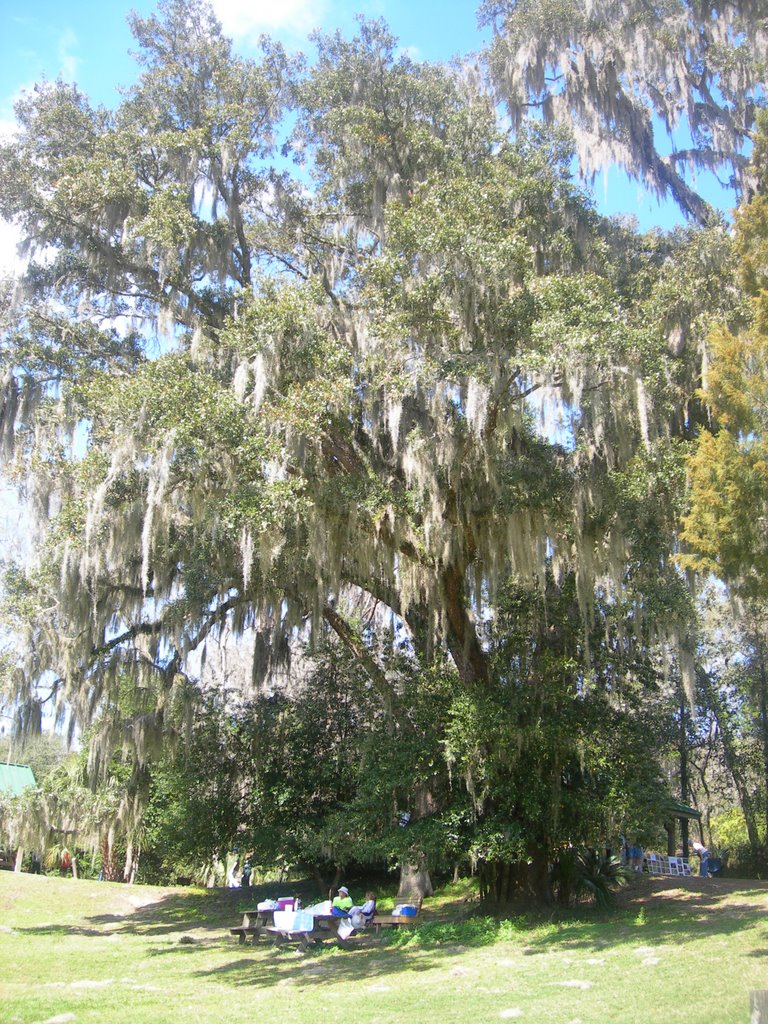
pixel 88 952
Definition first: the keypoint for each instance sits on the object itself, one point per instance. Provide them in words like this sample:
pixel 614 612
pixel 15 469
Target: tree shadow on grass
pixel 321 966
pixel 210 911
pixel 265 964
pixel 660 911
pixel 193 923
pixel 62 931
pixel 206 917
pixel 100 920
pixel 202 917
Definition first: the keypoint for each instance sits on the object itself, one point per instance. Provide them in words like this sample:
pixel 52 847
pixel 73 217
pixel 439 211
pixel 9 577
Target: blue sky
pixel 89 41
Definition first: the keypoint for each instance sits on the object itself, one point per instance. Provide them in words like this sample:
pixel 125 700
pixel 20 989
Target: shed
pixel 14 778
pixel 677 811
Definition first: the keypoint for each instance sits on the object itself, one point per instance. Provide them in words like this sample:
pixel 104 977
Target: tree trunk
pixel 763 702
pixel 127 867
pixel 505 885
pixel 538 874
pixel 109 865
pixel 414 880
pixel 132 855
pixel 731 758
pixel 684 787
pixel 334 887
pixel 461 636
pixel 482 879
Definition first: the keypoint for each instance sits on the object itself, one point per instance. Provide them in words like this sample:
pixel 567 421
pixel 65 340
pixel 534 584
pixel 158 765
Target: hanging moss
pixel 408 380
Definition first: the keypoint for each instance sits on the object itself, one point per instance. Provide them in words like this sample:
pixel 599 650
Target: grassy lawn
pixel 85 952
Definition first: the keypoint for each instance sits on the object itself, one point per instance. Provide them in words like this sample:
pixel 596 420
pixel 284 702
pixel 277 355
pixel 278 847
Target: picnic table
pixel 254 923
pixel 257 922
pixel 325 926
pixel 398 920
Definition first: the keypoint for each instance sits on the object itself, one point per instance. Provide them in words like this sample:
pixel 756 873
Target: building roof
pixel 679 810
pixel 15 777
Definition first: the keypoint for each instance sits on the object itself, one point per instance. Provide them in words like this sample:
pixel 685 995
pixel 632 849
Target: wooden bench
pixel 254 923
pixel 379 921
pixel 326 927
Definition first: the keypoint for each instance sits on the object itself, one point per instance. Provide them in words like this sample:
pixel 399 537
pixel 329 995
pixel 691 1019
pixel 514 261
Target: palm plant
pixel 586 872
pixel 600 876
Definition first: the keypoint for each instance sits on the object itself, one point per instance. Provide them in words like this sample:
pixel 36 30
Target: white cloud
pixel 7 130
pixel 10 235
pixel 67 60
pixel 247 19
pixel 413 52
pixel 10 264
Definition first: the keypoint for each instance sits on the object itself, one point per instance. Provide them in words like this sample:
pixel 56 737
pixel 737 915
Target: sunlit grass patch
pixel 106 953
pixel 475 931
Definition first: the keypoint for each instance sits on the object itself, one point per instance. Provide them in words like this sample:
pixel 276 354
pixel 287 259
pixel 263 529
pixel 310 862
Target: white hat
pixel 344 889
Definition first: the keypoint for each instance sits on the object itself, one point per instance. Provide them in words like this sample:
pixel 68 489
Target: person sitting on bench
pixel 366 911
pixel 359 917
pixel 342 904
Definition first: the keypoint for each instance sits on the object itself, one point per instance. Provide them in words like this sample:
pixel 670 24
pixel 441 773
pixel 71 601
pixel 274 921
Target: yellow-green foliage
pixel 725 526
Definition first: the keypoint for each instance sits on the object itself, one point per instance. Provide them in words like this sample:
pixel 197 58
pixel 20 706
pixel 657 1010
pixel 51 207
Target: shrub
pixel 585 872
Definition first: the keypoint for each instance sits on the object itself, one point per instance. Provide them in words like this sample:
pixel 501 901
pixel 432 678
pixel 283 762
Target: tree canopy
pixel 725 525
pixel 627 73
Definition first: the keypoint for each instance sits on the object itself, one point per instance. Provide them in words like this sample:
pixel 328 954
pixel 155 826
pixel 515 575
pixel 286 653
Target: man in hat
pixel 342 904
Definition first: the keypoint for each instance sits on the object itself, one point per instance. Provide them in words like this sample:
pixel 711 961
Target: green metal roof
pixel 679 810
pixel 15 777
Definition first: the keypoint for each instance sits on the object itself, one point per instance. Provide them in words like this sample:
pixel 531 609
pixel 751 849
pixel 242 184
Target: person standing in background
pixel 246 877
pixel 703 854
pixel 636 856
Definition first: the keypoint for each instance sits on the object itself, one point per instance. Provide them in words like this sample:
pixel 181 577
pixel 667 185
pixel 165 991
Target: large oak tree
pixel 241 391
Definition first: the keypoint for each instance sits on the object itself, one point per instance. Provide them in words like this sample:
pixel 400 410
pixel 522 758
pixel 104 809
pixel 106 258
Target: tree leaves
pixel 620 72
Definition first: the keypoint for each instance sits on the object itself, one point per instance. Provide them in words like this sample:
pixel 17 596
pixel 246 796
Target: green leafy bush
pixel 580 873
